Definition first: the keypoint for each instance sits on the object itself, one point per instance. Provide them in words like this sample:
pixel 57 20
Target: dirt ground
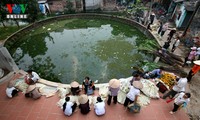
pixel 193 87
pixel 193 107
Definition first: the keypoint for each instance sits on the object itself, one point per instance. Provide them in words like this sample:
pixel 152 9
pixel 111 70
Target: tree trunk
pixel 174 69
pixel 175 57
pixel 3 24
pixel 168 59
pixel 84 7
pixel 17 23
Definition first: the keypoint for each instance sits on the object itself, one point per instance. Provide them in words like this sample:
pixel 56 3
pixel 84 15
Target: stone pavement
pixel 21 108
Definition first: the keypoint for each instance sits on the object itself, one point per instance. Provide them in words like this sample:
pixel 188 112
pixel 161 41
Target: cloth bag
pixel 135 107
pixel 162 87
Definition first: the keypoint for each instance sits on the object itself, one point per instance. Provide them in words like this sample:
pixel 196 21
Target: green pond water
pixel 72 49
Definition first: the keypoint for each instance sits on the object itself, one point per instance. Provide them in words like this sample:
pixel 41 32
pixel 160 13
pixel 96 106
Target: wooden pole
pixel 84 7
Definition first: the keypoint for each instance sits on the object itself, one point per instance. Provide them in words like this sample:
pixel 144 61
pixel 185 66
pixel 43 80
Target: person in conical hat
pixel 33 92
pixel 114 83
pixel 194 70
pixel 84 104
pixel 113 88
pixel 137 84
pixel 83 99
pixel 190 58
pixel 133 93
pixel 30 88
pixel 75 88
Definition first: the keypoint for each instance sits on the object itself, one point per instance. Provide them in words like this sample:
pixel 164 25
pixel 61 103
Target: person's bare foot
pixel 171 112
pixel 125 109
pixel 75 110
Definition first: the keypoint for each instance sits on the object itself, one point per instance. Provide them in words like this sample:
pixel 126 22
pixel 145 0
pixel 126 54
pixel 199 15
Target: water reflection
pixel 70 50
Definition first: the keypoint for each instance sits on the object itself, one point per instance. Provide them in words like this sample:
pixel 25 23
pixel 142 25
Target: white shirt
pixel 132 93
pixel 100 108
pixel 180 86
pixel 176 43
pixel 68 109
pixel 35 76
pixel 180 100
pixel 9 91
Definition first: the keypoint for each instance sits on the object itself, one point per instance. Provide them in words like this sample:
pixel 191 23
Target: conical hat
pixel 74 84
pixel 197 62
pixel 30 88
pixel 83 99
pixel 193 48
pixel 11 84
pixel 114 83
pixel 173 28
pixel 137 84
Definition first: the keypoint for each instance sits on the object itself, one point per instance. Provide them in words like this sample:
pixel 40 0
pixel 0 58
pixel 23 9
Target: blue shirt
pixel 156 72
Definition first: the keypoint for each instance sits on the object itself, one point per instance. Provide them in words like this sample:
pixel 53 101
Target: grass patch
pixel 7 31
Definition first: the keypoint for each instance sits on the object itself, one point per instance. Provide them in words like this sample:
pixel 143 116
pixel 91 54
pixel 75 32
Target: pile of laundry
pixel 149 90
pixel 45 90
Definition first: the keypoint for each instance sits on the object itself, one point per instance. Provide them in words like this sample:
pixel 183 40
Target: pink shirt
pixel 192 55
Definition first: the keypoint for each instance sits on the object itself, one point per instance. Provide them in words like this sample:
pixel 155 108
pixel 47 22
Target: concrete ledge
pixel 55 84
pixel 7 77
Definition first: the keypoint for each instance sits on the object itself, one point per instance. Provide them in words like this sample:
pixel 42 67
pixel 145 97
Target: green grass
pixel 7 31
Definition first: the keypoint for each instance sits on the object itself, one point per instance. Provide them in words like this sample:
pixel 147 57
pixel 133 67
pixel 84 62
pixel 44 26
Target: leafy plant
pixel 149 66
pixel 148 45
pixel 136 9
pixel 69 7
